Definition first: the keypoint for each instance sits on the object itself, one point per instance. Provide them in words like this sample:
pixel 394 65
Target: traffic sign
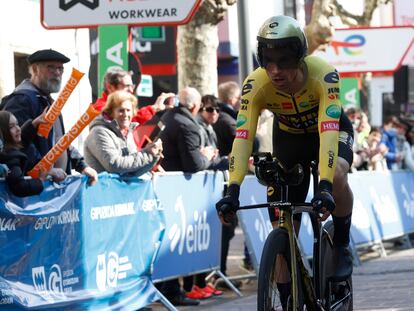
pixel 92 13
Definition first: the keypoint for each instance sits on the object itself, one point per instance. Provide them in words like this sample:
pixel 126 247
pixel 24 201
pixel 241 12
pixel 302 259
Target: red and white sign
pixel 376 49
pixel 404 16
pixel 403 12
pixel 91 13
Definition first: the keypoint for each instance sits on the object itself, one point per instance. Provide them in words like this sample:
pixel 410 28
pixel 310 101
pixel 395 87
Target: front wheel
pixel 274 282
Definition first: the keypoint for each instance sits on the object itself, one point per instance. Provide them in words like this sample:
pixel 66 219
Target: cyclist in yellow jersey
pixel 303 93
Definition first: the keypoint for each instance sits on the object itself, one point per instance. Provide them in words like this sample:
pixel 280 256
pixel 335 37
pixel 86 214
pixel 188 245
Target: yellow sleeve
pixel 328 122
pixel 246 129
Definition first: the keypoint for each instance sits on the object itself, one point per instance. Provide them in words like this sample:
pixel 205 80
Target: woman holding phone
pixel 110 144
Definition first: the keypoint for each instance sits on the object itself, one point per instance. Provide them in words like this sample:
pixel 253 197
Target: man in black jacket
pixel 182 143
pixel 32 97
pixel 183 151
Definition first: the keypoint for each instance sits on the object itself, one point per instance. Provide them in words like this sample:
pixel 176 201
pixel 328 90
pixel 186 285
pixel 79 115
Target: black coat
pixel 181 140
pixel 17 162
pixel 17 184
pixel 27 102
pixel 225 129
pixel 209 138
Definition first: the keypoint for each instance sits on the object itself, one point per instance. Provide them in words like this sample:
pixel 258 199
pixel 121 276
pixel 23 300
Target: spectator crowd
pixel 198 132
pixel 389 147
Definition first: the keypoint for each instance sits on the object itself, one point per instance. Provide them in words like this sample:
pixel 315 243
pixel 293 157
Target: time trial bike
pixel 285 282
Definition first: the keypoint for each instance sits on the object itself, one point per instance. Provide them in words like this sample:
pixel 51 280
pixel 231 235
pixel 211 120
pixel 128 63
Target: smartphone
pixel 172 101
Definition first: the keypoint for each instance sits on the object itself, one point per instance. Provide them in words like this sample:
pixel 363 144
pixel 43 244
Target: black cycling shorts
pixel 291 149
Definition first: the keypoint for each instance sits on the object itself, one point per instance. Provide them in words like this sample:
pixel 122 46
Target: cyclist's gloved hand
pixel 227 206
pixel 323 200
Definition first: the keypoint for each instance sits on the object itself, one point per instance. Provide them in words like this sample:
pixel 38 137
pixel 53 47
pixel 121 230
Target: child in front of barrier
pixel 15 141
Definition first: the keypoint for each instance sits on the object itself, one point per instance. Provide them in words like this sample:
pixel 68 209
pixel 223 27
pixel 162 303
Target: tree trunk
pixel 319 31
pixel 197 57
pixel 197 44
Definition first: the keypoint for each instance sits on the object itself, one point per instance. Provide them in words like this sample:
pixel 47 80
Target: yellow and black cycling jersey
pixel 315 108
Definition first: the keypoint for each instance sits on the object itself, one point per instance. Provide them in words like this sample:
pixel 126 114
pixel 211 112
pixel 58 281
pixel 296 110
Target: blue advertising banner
pixel 76 247
pixel 364 229
pixel 193 231
pixel 387 214
pixel 404 189
pixel 255 223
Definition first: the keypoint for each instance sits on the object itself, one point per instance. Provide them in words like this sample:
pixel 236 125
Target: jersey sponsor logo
pixel 241 120
pixel 330 158
pixel 304 120
pixel 303 104
pixel 333 90
pixel 287 105
pixel 242 134
pixel 244 101
pixel 333 111
pixel 333 96
pixel 332 77
pixel 329 126
pixel 231 164
pixel 247 87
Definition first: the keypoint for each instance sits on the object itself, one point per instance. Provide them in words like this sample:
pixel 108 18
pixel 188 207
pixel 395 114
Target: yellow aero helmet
pixel 281 32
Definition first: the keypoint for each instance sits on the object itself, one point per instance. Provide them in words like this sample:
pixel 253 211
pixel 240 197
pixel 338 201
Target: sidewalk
pixel 380 283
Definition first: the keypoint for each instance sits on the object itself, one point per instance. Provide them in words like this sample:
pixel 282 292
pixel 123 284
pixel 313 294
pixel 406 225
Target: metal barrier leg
pixel 226 280
pixel 407 241
pixel 167 304
pixel 382 250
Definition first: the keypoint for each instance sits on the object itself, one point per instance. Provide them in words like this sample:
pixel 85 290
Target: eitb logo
pixel 67 4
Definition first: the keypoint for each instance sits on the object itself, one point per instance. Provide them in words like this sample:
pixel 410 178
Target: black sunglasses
pixel 211 109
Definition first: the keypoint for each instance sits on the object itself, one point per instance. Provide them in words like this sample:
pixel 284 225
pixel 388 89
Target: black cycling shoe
pixel 344 266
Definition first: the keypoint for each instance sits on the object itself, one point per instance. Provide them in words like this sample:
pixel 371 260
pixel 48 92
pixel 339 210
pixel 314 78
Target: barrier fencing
pixel 75 247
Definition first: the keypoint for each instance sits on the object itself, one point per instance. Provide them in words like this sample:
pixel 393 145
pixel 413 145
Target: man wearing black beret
pixel 29 100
